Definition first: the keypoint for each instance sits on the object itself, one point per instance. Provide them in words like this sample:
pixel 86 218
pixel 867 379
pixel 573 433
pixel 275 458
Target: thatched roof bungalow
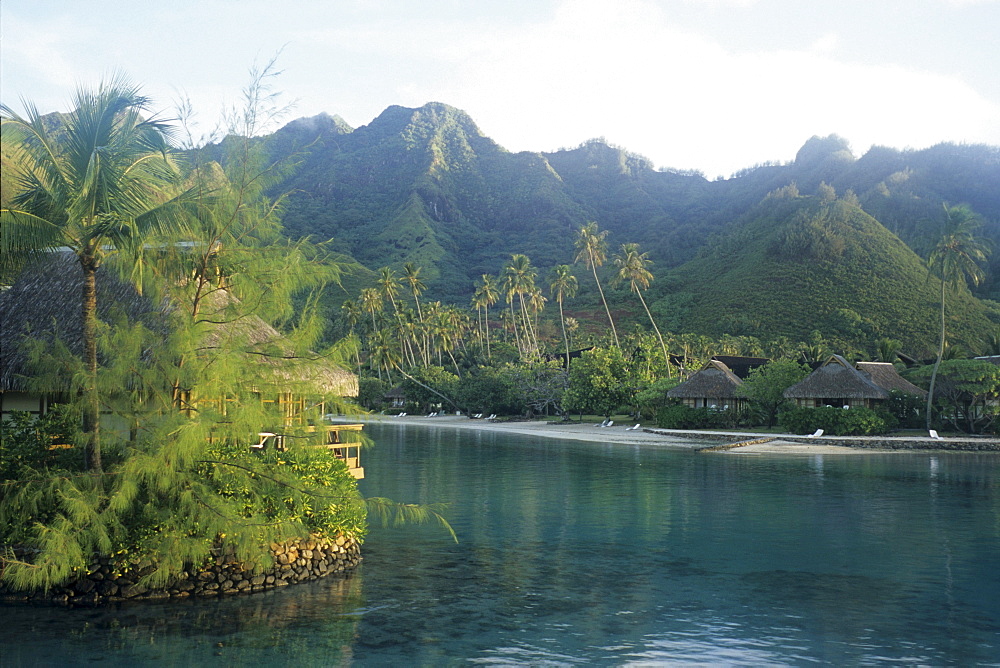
pixel 714 386
pixel 885 376
pixel 838 383
pixel 741 365
pixel 44 304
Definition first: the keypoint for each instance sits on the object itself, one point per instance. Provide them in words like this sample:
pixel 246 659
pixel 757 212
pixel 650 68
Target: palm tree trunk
pixel 666 358
pixel 937 362
pixel 489 353
pixel 562 320
pixel 91 401
pixel 605 302
pixel 529 332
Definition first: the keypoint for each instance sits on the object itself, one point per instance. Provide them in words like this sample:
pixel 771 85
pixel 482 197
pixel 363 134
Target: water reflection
pixel 590 553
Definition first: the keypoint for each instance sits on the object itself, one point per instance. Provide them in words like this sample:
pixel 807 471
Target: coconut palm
pixel 411 278
pixel 96 186
pixel 370 300
pixel 387 284
pixel 563 284
pixel 591 249
pixel 518 280
pixel 490 297
pixel 954 259
pixel 631 266
pixel 888 349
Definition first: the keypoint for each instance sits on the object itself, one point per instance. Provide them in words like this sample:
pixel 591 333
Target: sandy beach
pixel 643 436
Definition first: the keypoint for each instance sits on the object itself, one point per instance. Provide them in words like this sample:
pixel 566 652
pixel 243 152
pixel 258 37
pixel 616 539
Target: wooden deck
pixel 344 446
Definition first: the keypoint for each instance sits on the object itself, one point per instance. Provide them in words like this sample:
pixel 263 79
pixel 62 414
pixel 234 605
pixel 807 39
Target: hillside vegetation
pixel 842 255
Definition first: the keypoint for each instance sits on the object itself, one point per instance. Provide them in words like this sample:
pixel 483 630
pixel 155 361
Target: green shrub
pixel 685 417
pixel 836 421
pixel 371 393
pixel 39 443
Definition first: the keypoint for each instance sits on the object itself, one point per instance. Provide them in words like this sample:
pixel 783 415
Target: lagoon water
pixel 584 553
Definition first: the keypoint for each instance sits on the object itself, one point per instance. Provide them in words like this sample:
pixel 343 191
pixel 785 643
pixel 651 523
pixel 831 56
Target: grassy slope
pixel 803 264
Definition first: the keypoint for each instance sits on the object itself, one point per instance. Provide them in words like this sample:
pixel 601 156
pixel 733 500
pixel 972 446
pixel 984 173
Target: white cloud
pixel 622 71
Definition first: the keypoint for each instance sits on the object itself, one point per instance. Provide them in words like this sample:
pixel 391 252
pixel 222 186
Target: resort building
pixel 43 306
pixel 840 384
pixel 715 385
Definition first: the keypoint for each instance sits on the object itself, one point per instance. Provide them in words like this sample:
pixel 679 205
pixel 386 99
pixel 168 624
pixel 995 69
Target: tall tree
pixel 631 266
pixel 563 284
pixel 954 259
pixel 519 280
pixel 411 278
pixel 490 295
pixel 592 249
pixel 97 185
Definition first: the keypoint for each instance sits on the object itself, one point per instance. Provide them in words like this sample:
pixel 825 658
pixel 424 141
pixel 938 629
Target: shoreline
pixel 696 440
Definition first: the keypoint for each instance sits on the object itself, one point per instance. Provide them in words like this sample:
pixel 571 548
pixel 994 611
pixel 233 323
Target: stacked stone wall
pixel 295 561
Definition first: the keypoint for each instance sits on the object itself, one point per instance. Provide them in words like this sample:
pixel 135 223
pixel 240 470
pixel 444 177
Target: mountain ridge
pixel 425 185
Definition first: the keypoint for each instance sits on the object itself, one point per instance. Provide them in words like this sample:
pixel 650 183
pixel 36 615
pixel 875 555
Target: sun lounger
pixel 269 437
pixel 934 435
pixel 635 428
pixel 818 432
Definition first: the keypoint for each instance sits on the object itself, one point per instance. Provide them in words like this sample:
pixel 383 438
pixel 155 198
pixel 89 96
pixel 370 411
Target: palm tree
pixel 887 349
pixel 631 265
pixel 371 300
pixel 97 186
pixel 411 277
pixel 563 284
pixel 519 279
pixel 388 286
pixel 954 259
pixel 490 297
pixel 591 249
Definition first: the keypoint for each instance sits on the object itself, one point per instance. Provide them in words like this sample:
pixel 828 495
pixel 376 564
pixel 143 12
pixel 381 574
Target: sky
pixel 708 85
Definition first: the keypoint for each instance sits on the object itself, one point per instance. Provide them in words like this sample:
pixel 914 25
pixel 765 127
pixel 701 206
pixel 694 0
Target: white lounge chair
pixel 818 432
pixel 603 424
pixel 492 416
pixel 635 428
pixel 269 437
pixel 934 435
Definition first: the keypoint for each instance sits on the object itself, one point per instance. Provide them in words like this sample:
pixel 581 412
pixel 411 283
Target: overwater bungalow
pixel 44 304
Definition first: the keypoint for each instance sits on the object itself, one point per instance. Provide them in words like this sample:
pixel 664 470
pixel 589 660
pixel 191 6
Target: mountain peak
pixel 320 123
pixel 430 116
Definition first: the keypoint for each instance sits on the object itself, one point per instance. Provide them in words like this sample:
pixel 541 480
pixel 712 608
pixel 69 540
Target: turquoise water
pixel 582 553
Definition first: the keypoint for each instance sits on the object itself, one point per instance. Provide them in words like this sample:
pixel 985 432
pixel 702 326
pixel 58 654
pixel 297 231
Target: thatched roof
pixel 714 381
pixel 885 376
pixel 836 379
pixel 741 365
pixel 45 303
pixel 269 349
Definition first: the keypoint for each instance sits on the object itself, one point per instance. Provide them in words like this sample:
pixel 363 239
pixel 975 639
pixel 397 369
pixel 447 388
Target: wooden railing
pixel 343 448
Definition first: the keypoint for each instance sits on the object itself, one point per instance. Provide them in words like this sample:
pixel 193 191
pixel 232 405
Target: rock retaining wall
pixel 294 561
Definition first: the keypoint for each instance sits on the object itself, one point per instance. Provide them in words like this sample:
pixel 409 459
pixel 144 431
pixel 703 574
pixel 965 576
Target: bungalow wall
pixel 836 403
pixel 719 403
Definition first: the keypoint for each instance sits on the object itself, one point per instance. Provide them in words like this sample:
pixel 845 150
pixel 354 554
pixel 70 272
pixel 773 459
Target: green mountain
pixel 795 264
pixel 426 186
